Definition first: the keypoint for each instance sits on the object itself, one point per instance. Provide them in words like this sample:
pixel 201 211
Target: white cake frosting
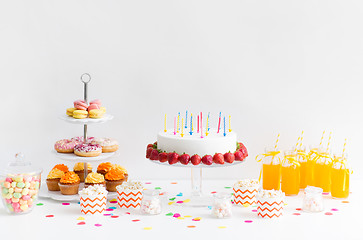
pixel 194 144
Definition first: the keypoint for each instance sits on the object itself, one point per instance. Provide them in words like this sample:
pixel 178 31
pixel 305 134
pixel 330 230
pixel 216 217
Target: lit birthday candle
pixel 208 122
pixel 198 124
pixel 191 124
pixel 201 125
pixel 174 125
pixel 182 129
pixel 207 128
pixel 165 124
pixel 219 122
pixel 186 119
pixel 224 126
pixel 229 130
pixel 178 127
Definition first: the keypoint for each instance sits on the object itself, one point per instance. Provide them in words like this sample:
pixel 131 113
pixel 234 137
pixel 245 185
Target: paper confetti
pixel 173 183
pixel 210 207
pixel 179 202
pixel 181 218
pixel 107 214
pixel 128 213
pixel 169 214
pixel 81 223
pixel 80 218
pixel 157 188
pixel 187 216
pixel 191 226
pixel 298 209
pixel 254 205
pixel 334 209
pixel 66 203
pixel 112 207
pixel 40 204
pixel 254 210
pixel 176 215
pixel 135 220
pixel 148 183
pixel 48 216
pixel 114 216
pixel 328 213
pixel 345 201
pixel 221 227
pixel 98 225
pixel 248 221
pixel 227 187
pixel 246 204
pixel 179 194
pixel 109 209
pixel 113 201
pixel 148 228
pixel 172 199
pixel 186 200
pixel 325 193
pixel 196 219
pixel 213 192
pixel 296 214
pixel 171 203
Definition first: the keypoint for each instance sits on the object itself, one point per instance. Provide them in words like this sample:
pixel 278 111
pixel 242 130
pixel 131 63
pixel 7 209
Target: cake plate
pixel 197 198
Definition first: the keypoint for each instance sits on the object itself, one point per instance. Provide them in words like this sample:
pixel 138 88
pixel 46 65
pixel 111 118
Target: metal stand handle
pixel 85 78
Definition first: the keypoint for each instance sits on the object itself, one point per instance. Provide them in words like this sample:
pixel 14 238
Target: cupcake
pixel 61 167
pixel 79 170
pixel 94 178
pixel 69 183
pixel 53 179
pixel 122 169
pixel 103 168
pixel 114 178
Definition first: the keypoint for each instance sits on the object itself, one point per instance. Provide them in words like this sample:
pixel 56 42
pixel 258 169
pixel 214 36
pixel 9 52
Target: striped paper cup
pixel 270 207
pixel 245 195
pixel 93 204
pixel 129 198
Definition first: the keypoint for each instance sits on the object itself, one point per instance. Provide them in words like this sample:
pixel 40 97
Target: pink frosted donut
pixel 80 139
pixel 65 146
pixel 87 150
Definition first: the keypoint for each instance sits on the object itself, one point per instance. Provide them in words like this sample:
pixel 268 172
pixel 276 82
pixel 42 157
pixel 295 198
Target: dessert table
pixel 52 219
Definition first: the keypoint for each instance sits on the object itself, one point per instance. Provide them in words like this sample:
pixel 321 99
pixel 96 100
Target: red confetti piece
pixel 81 223
pixel 49 216
pixel 213 192
pixel 128 213
pixel 298 209
pixel 173 183
pixel 296 214
pixel 136 220
pixel 248 221
pixel 345 201
pixel 325 193
pixel 328 213
pixel 335 209
pixel 66 204
pixel 113 201
pixel 148 183
pixel 98 225
pixel 106 214
pixel 191 226
pixel 254 210
pixel 114 216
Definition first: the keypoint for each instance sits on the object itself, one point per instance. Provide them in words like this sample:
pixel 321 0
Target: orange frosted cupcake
pixel 103 168
pixel 79 170
pixel 122 169
pixel 114 178
pixel 61 167
pixel 53 179
pixel 69 183
pixel 93 179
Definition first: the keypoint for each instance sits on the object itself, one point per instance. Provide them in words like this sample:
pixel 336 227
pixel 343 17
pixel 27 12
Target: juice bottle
pixel 290 176
pixel 340 174
pixel 302 158
pixel 310 163
pixel 322 171
pixel 271 170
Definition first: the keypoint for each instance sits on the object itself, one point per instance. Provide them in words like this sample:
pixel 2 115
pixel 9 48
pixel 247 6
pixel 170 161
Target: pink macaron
pixel 80 105
pixel 97 102
pixel 93 106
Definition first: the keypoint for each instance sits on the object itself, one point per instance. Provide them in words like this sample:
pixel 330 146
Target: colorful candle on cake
pixel 182 129
pixel 165 124
pixel 229 129
pixel 174 125
pixel 207 128
pixel 191 124
pixel 198 124
pixel 178 127
pixel 219 122
pixel 201 125
pixel 186 119
pixel 224 126
pixel 208 122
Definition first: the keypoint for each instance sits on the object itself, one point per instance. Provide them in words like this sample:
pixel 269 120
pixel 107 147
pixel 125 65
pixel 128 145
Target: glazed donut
pixel 87 150
pixel 80 139
pixel 65 146
pixel 107 144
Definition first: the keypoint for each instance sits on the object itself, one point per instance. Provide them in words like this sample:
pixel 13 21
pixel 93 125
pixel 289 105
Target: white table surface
pixel 343 224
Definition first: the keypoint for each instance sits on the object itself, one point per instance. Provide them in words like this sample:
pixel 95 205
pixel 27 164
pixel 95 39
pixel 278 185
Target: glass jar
pixel 290 174
pixel 150 203
pixel 19 184
pixel 222 205
pixel 312 156
pixel 271 169
pixel 302 158
pixel 313 199
pixel 322 171
pixel 340 174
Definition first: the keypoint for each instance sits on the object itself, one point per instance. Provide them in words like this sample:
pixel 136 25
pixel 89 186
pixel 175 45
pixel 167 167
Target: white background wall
pixel 274 66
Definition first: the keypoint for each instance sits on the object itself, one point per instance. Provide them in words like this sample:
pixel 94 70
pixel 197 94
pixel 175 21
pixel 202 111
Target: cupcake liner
pixel 129 198
pixel 245 195
pixel 270 208
pixel 93 204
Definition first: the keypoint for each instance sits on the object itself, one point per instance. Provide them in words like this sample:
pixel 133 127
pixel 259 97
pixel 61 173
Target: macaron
pixel 70 111
pixel 103 109
pixel 93 106
pixel 80 114
pixel 96 113
pixel 97 102
pixel 80 105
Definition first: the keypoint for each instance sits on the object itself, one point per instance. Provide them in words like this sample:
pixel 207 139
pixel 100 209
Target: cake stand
pixel 85 79
pixel 197 198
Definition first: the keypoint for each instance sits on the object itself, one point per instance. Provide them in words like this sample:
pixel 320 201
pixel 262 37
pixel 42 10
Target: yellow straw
pixel 321 140
pixel 327 148
pixel 277 140
pixel 345 144
pixel 297 143
pixel 165 123
pixel 301 139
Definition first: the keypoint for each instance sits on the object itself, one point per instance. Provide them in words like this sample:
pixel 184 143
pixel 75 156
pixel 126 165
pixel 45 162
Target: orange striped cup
pixel 93 204
pixel 129 198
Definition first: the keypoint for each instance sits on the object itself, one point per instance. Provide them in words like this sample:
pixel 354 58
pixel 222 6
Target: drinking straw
pixel 327 148
pixel 277 141
pixel 345 144
pixel 321 140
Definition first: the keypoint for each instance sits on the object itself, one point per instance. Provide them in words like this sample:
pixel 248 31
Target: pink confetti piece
pixel 81 223
pixel 48 216
pixel 106 214
pixel 135 220
pixel 254 210
pixel 109 209
pixel 173 183
pixel 176 215
pixel 328 213
pixel 248 221
pixel 196 219
pixel 66 204
pixel 298 209
pixel 325 193
pixel 179 202
pixel 113 201
pixel 98 225
pixel 148 183
pixel 128 213
pixel 213 192
pixel 334 209
pixel 115 216
pixel 296 214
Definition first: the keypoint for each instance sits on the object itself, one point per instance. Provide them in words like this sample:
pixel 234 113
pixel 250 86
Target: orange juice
pixel 271 175
pixel 322 172
pixel 302 158
pixel 290 174
pixel 340 183
pixel 310 166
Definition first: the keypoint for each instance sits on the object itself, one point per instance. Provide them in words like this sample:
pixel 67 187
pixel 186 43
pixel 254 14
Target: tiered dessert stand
pixel 56 195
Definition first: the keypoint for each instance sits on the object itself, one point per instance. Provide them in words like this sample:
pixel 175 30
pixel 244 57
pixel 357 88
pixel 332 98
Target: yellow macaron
pixel 79 114
pixel 103 109
pixel 96 113
pixel 70 111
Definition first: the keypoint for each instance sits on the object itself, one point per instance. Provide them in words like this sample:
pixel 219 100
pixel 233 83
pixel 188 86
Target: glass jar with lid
pixel 150 203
